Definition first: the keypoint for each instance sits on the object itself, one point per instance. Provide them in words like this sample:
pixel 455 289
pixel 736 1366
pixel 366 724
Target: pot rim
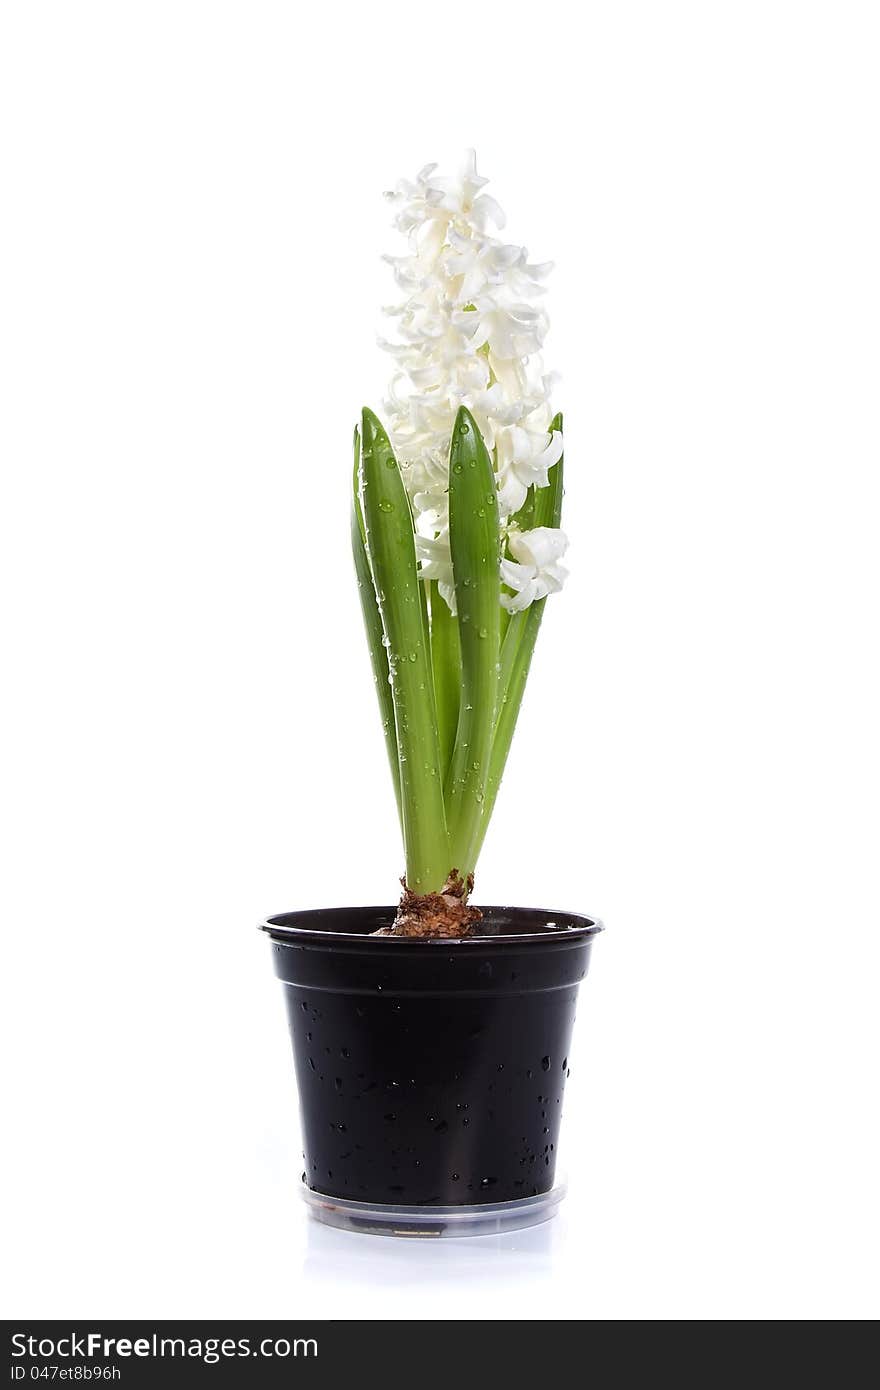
pixel 578 927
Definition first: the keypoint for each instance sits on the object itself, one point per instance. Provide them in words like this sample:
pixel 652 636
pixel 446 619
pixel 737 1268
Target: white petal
pixel 516 576
pixel 486 209
pixel 542 546
pixel 515 603
pixel 447 592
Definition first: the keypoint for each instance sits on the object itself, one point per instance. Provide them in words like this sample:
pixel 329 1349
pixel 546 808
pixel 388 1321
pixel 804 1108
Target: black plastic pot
pixel 431 1073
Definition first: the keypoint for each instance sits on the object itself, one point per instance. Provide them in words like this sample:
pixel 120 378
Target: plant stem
pixel 446 662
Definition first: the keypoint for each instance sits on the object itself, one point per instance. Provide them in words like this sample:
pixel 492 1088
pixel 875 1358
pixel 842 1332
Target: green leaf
pixel 543 507
pixel 373 624
pixel 392 554
pixel 474 539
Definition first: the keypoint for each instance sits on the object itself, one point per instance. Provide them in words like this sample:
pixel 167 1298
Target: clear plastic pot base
pixel 432 1223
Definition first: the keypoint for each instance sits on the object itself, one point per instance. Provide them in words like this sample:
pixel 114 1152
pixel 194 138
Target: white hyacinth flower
pixel 534 572
pixel 468 333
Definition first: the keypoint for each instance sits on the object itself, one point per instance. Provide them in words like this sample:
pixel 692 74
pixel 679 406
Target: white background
pixel 191 279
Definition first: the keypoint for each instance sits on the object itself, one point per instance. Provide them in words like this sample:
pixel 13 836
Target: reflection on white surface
pixel 358 1261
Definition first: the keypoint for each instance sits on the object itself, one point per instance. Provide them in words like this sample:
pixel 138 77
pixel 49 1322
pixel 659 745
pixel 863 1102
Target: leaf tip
pixel 371 425
pixel 464 421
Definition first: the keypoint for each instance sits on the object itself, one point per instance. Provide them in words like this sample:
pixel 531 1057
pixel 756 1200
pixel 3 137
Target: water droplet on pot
pixel 545 1063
